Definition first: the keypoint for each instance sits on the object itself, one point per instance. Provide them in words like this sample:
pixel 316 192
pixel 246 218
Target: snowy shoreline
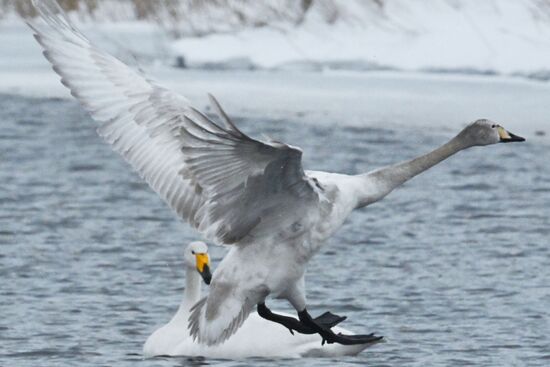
pixel 493 37
pixel 510 38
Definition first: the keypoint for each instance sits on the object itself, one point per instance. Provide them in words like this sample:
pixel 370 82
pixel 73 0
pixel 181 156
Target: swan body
pixel 235 190
pixel 256 338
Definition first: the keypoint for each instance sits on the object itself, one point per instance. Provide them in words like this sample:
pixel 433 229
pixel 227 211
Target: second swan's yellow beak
pixel 203 267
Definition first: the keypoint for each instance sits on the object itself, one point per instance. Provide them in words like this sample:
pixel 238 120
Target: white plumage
pixel 256 338
pixel 232 188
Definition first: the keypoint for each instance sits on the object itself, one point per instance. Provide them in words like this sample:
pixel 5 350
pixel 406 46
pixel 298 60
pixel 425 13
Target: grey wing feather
pixel 199 330
pixel 236 323
pixel 219 110
pixel 195 317
pixel 252 186
pixel 225 184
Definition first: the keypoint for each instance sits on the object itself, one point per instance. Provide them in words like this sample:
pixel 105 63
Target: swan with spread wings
pixel 251 195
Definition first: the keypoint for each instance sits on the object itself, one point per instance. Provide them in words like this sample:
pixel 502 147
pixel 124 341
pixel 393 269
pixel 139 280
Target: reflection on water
pixel 453 268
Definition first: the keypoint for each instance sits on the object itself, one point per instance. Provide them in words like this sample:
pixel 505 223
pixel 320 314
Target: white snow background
pixel 430 62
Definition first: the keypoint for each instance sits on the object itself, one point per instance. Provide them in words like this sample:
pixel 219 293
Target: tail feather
pixel 194 318
pixel 216 329
pixel 236 323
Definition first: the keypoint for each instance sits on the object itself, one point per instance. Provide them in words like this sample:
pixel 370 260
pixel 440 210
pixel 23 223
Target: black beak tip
pixel 206 275
pixel 513 138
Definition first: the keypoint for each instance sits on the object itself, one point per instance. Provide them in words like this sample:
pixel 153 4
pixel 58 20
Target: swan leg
pixel 330 337
pixel 326 320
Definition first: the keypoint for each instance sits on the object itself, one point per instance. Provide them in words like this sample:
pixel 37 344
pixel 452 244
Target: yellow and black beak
pixel 508 137
pixel 203 267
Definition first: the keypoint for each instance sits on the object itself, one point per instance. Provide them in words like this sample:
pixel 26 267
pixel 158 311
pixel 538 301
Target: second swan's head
pixel 196 257
pixel 485 132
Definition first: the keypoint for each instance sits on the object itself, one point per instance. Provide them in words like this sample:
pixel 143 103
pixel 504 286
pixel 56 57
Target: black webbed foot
pixel 320 325
pixel 354 339
pixel 326 320
pixel 330 337
pixel 329 320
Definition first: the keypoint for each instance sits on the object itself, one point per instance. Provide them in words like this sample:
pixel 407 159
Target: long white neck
pixel 192 291
pixel 381 182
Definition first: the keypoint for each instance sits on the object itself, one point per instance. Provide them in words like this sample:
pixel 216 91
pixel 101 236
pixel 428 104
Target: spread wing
pixel 225 184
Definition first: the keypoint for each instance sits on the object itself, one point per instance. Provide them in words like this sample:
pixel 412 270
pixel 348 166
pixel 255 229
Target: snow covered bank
pixel 462 36
pixel 489 37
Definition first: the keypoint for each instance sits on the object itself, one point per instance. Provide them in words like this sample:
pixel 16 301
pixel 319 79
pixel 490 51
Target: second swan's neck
pixel 382 181
pixel 192 291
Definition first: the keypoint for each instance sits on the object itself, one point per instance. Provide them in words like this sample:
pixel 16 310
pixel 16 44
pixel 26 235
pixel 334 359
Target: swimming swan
pixel 235 190
pixel 197 264
pixel 256 338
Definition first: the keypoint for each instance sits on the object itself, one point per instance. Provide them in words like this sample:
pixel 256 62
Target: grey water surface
pixel 453 268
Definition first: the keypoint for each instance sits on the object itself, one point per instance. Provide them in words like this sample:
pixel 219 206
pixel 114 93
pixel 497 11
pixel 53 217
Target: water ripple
pixel 453 268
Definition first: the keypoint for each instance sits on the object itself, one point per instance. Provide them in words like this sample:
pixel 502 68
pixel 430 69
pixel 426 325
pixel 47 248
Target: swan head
pixel 485 132
pixel 196 257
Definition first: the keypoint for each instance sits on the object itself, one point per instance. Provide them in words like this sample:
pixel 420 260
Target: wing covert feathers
pixel 227 185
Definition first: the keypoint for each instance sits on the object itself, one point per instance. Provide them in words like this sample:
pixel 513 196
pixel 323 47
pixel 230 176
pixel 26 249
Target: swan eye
pixel 493 126
pixel 193 252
